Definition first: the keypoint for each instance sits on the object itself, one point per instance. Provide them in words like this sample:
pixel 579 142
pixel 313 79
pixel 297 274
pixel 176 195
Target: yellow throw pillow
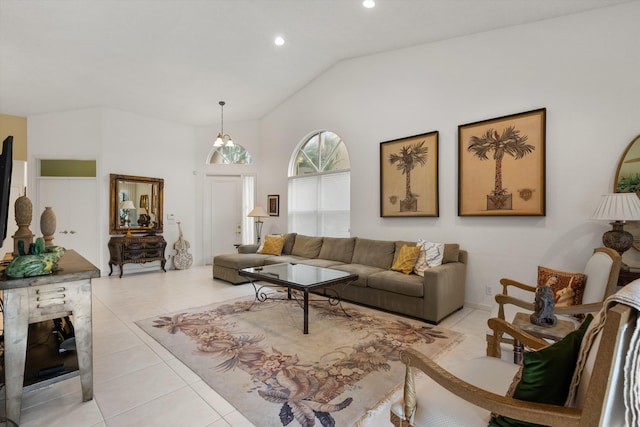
pixel 406 259
pixel 272 245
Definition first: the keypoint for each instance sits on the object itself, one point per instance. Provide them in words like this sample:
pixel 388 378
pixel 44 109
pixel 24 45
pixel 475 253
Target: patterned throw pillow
pixel 272 245
pixel 568 288
pixel 406 259
pixel 431 255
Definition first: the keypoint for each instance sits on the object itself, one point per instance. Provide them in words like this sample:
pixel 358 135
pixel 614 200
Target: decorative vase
pixel 23 213
pixel 48 225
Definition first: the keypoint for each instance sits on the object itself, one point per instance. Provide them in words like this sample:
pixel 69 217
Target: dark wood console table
pixel 136 249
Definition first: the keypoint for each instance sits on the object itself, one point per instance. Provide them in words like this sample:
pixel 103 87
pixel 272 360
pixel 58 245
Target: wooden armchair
pixel 467 395
pixel 602 270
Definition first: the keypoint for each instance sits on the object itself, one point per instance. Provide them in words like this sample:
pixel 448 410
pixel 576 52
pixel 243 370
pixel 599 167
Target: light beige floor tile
pixel 210 396
pixel 182 407
pixel 181 369
pixel 124 393
pixel 122 363
pixel 114 341
pixel 236 419
pixel 220 423
pixel 66 411
pixel 151 343
pixel 50 392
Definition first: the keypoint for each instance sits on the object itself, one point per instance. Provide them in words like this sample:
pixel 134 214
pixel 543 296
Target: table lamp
pixel 618 208
pixel 258 212
pixel 126 206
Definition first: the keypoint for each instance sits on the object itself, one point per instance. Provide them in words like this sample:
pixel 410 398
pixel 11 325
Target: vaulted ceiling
pixel 175 59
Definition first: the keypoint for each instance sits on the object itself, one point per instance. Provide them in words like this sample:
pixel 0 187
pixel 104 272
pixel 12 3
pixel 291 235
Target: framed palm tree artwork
pixel 501 166
pixel 409 176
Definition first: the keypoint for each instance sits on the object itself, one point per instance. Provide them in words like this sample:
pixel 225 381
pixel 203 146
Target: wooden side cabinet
pixel 137 249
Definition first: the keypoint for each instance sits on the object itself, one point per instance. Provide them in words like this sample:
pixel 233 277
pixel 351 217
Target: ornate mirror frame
pixel 628 172
pixel 147 197
pixel 627 179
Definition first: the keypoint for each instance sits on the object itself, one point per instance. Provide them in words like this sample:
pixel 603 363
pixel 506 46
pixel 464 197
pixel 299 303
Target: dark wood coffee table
pixel 300 277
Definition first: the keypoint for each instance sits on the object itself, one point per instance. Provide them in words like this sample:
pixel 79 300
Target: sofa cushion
pixel 272 245
pixel 451 253
pixel 398 247
pixel 318 262
pixel 239 261
pixel 289 240
pixel 374 253
pixel 406 259
pixel 397 282
pixel 337 248
pixel 363 272
pixel 306 246
pixel 273 259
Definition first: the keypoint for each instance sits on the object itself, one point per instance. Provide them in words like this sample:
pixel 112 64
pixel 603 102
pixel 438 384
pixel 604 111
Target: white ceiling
pixel 175 59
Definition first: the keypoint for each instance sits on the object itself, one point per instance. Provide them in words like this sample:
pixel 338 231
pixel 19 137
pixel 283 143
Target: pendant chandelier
pixel 222 139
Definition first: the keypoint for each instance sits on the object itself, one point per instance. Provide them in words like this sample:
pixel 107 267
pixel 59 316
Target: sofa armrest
pixel 248 249
pixel 444 290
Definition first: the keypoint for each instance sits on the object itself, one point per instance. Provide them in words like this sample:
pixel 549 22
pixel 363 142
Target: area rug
pixel 256 356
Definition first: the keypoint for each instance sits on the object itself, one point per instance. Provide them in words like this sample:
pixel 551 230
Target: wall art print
pixel 273 202
pixel 409 176
pixel 501 166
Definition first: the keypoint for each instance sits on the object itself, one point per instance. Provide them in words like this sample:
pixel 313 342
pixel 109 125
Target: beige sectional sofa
pixel 432 297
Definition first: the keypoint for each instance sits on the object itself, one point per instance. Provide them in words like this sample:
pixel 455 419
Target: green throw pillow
pixel 547 374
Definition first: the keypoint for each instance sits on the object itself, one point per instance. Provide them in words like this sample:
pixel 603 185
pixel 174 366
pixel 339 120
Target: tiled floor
pixel 139 383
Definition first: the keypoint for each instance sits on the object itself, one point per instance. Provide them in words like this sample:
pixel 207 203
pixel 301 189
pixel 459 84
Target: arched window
pixel 319 187
pixel 229 155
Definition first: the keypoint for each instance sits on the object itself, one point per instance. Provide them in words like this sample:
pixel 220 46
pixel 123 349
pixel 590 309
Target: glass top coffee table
pixel 300 277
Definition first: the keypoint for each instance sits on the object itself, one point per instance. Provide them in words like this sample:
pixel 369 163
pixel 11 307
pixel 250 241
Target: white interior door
pixel 223 214
pixel 74 201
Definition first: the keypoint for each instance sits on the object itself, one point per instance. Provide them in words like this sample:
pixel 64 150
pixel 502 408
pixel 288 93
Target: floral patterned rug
pixel 258 359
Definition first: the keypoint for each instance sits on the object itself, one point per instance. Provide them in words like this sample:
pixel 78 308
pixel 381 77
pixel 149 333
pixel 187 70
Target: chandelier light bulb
pixel 369 4
pixel 279 41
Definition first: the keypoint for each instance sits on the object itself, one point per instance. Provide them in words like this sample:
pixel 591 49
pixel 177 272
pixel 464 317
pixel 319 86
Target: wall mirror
pixel 628 173
pixel 628 180
pixel 135 204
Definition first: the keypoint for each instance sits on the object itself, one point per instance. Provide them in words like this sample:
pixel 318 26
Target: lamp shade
pixel 258 212
pixel 618 207
pixel 127 204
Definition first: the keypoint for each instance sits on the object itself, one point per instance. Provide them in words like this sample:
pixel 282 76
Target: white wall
pixel 582 68
pixel 122 143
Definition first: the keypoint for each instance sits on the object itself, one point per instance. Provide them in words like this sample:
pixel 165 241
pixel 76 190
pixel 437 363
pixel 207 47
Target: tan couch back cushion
pixel 306 246
pixel 337 249
pixel 374 253
pixel 451 253
pixel 289 240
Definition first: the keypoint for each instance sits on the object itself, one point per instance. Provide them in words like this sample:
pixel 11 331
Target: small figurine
pixel 544 304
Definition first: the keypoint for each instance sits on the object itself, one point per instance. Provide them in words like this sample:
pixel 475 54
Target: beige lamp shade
pixel 127 205
pixel 618 207
pixel 258 212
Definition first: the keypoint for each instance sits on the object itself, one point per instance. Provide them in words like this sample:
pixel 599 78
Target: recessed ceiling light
pixel 279 41
pixel 369 4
